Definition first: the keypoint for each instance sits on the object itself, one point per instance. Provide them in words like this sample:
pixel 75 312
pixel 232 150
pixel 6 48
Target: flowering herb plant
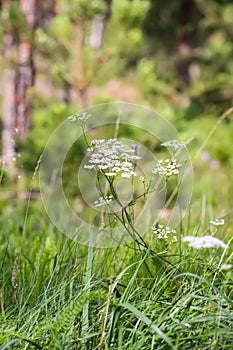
pixel 112 161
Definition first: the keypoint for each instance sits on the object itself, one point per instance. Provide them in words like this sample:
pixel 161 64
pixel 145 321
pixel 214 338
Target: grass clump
pixel 162 290
pixel 126 300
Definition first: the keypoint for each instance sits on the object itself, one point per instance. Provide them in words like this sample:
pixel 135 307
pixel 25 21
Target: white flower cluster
pixel 217 222
pixel 204 242
pixel 174 143
pixel 163 232
pixel 167 167
pixel 81 118
pixel 101 201
pixel 225 267
pixel 112 157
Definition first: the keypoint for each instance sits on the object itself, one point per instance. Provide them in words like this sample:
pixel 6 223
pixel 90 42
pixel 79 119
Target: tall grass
pixel 56 294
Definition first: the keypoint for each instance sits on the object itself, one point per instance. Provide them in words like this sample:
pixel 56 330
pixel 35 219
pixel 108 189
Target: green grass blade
pixel 148 322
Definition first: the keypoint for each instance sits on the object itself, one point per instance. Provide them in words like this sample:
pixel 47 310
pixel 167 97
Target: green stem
pixel 84 136
pixel 87 286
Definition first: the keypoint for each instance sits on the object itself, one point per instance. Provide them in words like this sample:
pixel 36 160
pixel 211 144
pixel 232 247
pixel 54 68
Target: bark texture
pixel 25 76
pixel 8 105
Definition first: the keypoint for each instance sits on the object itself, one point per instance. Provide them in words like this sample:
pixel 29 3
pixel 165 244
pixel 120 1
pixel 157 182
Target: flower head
pixel 174 143
pixel 112 157
pixel 163 232
pixel 204 242
pixel 82 118
pixel 167 167
pixel 101 201
pixel 225 267
pixel 217 222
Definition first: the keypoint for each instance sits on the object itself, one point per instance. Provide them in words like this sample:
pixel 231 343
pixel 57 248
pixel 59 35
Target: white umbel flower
pixel 164 231
pixel 167 167
pixel 217 222
pixel 174 144
pixel 204 242
pixel 101 201
pixel 81 117
pixel 112 157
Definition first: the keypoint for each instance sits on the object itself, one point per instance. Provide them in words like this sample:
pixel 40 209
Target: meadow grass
pixel 57 294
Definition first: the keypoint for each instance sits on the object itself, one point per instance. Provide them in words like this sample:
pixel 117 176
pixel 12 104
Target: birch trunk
pixel 25 76
pixel 8 104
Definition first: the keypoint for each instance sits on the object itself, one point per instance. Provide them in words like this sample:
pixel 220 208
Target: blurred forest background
pixel 60 56
pixel 57 58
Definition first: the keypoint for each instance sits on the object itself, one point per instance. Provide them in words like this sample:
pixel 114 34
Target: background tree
pixel 190 43
pixel 176 56
pixel 25 75
pixel 8 19
pixel 81 35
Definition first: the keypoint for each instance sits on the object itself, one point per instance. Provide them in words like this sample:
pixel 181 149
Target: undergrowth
pixel 132 299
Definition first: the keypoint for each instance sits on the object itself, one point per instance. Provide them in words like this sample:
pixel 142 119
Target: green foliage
pixel 59 38
pixel 191 45
pixel 83 9
pixel 61 27
pixel 45 121
pixel 146 76
pixel 12 18
pixel 130 13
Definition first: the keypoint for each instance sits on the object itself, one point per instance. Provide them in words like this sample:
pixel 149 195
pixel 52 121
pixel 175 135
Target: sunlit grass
pixel 55 295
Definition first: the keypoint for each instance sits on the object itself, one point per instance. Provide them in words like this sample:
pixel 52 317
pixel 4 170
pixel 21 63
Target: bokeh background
pixel 58 57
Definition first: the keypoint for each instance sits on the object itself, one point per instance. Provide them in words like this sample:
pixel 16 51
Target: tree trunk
pixel 46 11
pixel 185 41
pixel 97 31
pixel 8 109
pixel 25 76
pixel 8 104
pixel 98 26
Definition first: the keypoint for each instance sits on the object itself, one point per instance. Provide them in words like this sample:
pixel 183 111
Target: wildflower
pixel 174 143
pixel 214 164
pixel 163 232
pixel 167 167
pixel 95 144
pixel 205 156
pixel 217 222
pixel 204 242
pixel 112 157
pixel 135 147
pixel 81 118
pixel 174 239
pixel 142 178
pixel 225 267
pixel 101 201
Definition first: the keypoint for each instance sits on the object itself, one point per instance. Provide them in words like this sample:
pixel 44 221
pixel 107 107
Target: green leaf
pixel 148 322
